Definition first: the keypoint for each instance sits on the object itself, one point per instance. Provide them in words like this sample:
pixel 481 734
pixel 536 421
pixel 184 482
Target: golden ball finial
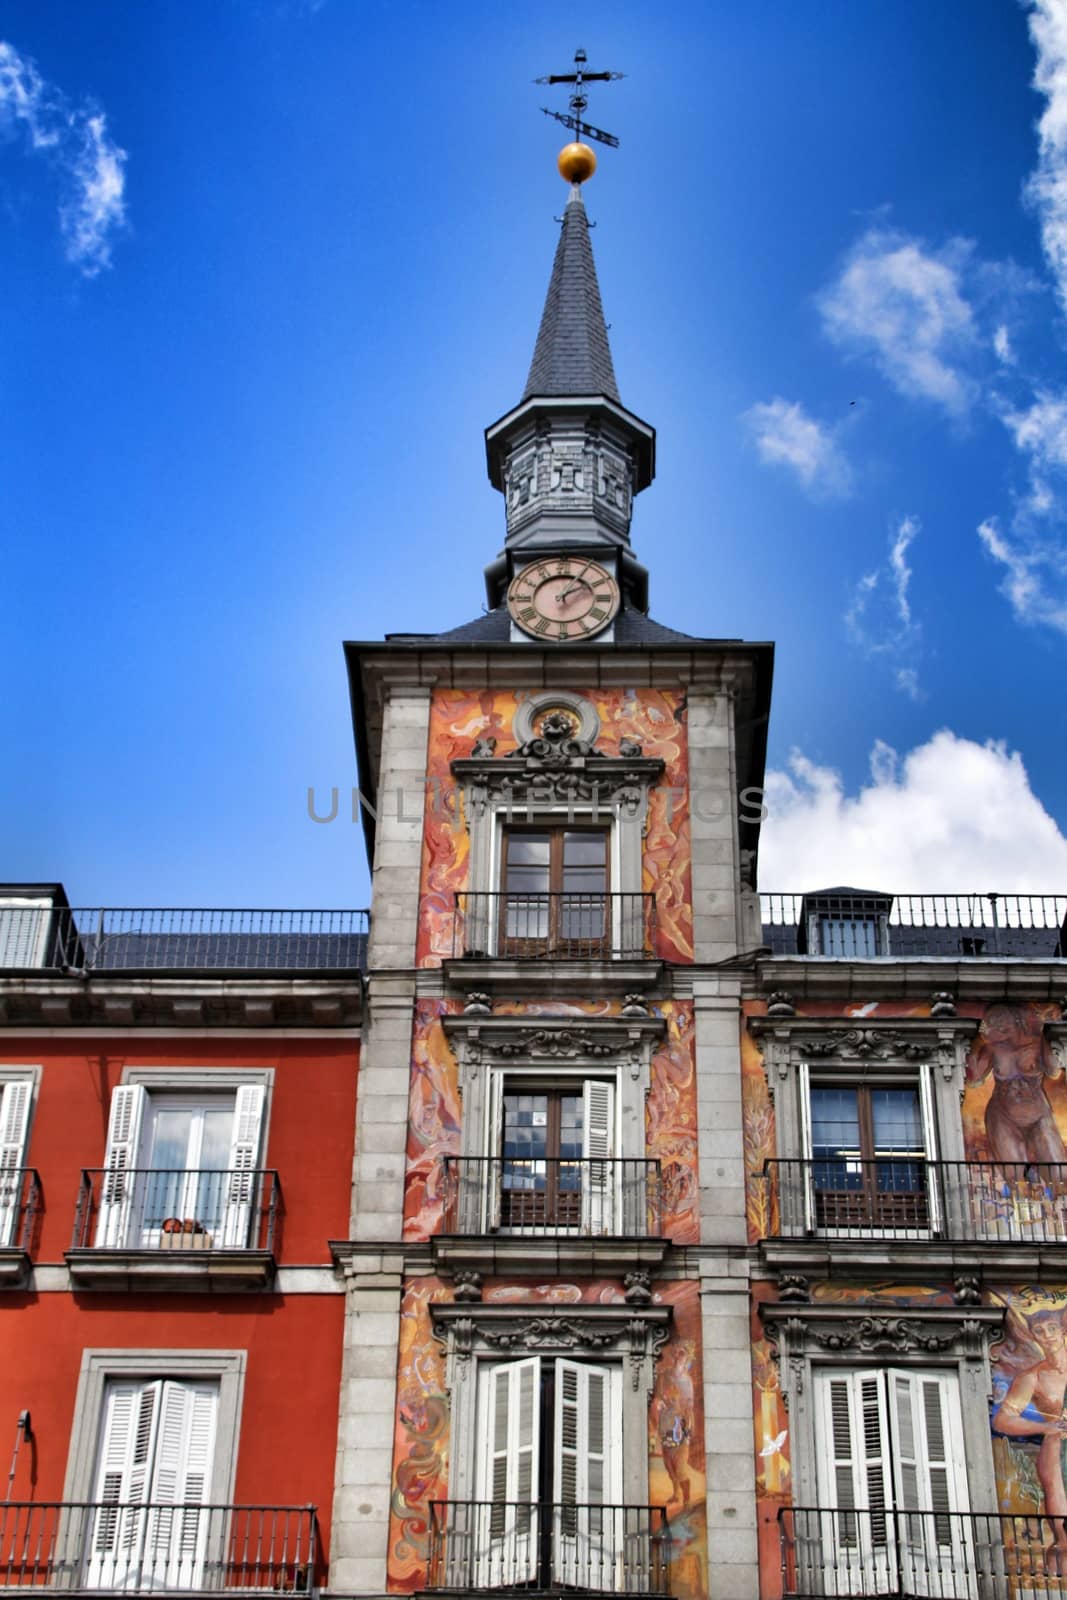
pixel 576 162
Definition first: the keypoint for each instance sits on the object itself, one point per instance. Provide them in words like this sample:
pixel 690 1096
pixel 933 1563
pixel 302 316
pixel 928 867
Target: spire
pixel 572 354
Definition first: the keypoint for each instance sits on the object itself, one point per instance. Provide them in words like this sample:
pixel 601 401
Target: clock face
pixel 563 597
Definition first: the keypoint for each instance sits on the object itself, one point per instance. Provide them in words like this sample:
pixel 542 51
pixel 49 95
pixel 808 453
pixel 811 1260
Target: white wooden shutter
pixel 23 931
pixel 598 1146
pixel 854 1550
pixel 805 1187
pixel 505 1534
pixel 926 1107
pixel 185 1448
pixel 587 1548
pixel 244 1154
pixel 118 1219
pixel 492 1176
pixel 930 1478
pixel 15 1099
pixel 127 1446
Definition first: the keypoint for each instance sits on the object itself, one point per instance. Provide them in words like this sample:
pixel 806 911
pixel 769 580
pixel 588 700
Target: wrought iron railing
pixel 941 1555
pixel 860 926
pixel 127 939
pixel 587 1197
pixel 521 927
pixel 481 1545
pixel 127 1548
pixel 20 1204
pixel 175 1209
pixel 908 1197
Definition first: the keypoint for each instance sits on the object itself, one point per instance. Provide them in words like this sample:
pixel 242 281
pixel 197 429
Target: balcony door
pixel 556 1173
pixel 868 1150
pixel 891 1485
pixel 549 1480
pixel 555 893
pixel 146 1528
pixel 180 1168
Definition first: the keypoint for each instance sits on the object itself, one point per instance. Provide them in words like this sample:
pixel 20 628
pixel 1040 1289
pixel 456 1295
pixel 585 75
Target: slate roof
pixel 631 627
pixel 572 354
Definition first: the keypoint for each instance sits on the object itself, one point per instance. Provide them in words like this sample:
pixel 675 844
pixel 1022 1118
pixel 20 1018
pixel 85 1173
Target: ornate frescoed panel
pixel 653 719
pixel 773 1461
pixel 1015 1101
pixel 1028 1414
pixel 676 1460
pixel 434 1114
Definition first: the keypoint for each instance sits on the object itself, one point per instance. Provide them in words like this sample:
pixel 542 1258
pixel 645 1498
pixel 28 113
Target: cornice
pixel 902 978
pixel 537 1039
pixel 100 1001
pixel 850 1328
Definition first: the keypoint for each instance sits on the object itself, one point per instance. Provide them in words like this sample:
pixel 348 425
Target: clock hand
pixel 579 583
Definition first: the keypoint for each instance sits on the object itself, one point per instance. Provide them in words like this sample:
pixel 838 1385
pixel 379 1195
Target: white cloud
pixel 879 616
pixel 785 435
pixel 1035 576
pixel 75 140
pixel 1047 188
pixel 1002 346
pixel 903 306
pixel 953 816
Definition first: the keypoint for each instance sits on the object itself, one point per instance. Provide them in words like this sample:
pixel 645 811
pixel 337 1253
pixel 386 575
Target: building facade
pixel 596 1224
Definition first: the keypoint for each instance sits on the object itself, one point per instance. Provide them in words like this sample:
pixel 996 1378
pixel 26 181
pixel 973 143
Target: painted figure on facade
pixel 671 1417
pixel 1030 1385
pixel 1019 1121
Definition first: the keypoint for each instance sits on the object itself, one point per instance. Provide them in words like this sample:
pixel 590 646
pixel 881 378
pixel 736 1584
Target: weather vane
pixel 577 161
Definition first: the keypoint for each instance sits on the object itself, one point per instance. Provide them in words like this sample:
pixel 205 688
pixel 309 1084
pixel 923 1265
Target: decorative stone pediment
pixel 637 1334
pixel 539 1041
pixel 850 1331
pixel 854 1045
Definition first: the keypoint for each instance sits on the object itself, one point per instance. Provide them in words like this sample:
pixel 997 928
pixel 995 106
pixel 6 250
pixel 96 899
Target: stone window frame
pixel 618 1048
pixel 807 1337
pixel 474 1336
pixel 855 1048
pixel 536 783
pixel 227 1368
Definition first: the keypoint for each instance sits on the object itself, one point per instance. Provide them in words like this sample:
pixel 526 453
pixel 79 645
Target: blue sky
pixel 268 270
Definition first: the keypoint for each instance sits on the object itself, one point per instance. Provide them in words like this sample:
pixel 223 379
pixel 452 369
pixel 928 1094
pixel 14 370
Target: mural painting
pixel 1028 1415
pixel 1012 1112
pixel 652 718
pixel 434 1111
pixel 676 1479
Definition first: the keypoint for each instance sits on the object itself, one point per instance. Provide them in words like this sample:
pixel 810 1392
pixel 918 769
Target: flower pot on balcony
pixel 184 1234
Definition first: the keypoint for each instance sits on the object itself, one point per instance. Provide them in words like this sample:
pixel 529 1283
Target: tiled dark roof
pixel 572 354
pixel 631 627
pixel 1035 944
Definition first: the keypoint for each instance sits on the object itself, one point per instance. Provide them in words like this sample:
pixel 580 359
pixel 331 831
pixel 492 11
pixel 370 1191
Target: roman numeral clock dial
pixel 563 598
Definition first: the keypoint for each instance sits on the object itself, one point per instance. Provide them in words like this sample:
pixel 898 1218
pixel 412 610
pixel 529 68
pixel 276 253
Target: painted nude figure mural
pixel 672 1418
pixel 1030 1385
pixel 1019 1121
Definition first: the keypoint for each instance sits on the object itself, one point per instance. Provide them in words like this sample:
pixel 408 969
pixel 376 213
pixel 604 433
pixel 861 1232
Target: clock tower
pixel 569 459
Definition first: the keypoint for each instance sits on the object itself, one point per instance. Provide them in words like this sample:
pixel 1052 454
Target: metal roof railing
pixel 861 924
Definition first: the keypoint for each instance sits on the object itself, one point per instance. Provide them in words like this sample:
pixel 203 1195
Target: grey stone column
pixel 733 1545
pixel 374 1282
pixel 720 1140
pixel 713 826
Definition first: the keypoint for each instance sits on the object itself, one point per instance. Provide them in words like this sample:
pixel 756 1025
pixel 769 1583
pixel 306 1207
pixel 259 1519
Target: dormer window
pixel 845 924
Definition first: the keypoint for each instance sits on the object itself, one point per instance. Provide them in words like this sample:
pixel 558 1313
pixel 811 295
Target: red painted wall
pixel 310 1132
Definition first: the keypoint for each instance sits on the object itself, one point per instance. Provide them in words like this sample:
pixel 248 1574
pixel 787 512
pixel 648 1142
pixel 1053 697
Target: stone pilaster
pixel 713 825
pixel 733 1549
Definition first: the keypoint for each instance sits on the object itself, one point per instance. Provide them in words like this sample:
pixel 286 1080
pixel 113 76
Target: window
pixel 156 1450
pixel 849 937
pixel 180 1168
pixel 555 1145
pixel 868 1150
pixel 16 1098
pixel 555 892
pixel 891 1481
pixel 550 1480
pixel 869 1143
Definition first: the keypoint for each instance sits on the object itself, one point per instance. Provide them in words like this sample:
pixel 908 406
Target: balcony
pixel 941 1555
pixel 83 1547
pixel 537 1214
pixel 554 927
pixel 150 1226
pixel 20 1207
pixel 74 940
pixel 902 1198
pixel 860 925
pixel 479 1545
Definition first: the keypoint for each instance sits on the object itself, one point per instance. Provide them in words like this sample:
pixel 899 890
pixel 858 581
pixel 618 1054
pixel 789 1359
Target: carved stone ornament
pixel 942 1004
pixel 534 1039
pixel 638 1288
pixel 967 1290
pixel 793 1287
pixel 483 749
pixel 635 1332
pixel 780 1004
pixel 849 1329
pixel 478 1004
pixel 635 1005
pixel 841 1042
pixel 467 1284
